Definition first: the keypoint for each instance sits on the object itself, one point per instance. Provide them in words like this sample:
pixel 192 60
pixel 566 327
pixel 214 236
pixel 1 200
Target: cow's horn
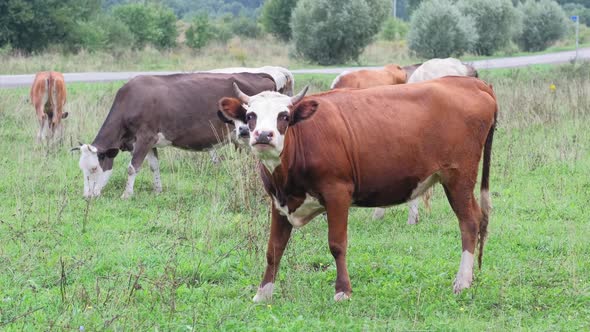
pixel 74 149
pixel 299 96
pixel 244 98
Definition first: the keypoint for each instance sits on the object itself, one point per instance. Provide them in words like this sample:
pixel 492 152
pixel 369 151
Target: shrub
pixel 394 29
pixel 276 18
pixel 334 31
pixel 149 24
pixel 543 23
pixel 245 27
pixel 495 21
pixel 199 33
pixel 439 30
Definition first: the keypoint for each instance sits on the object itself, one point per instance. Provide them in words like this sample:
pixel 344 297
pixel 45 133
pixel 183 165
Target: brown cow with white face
pixel 48 95
pixel 367 148
pixel 365 78
pixel 151 112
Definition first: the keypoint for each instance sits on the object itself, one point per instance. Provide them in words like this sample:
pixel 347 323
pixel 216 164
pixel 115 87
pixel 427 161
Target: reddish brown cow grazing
pixel 48 95
pixel 361 79
pixel 370 147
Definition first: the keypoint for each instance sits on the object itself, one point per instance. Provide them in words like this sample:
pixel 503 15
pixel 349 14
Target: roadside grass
pixel 191 258
pixel 235 53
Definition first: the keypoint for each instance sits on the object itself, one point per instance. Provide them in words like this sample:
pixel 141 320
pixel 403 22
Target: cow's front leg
pixel 140 151
pixel 337 206
pixel 280 232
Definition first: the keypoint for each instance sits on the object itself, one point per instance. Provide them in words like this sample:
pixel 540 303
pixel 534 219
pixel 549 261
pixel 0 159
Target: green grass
pixel 192 257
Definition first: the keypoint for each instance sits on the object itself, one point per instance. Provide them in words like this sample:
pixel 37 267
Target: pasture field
pixel 190 259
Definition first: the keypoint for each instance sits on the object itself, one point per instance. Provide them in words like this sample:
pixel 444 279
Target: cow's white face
pixel 241 133
pixel 268 116
pixel 91 170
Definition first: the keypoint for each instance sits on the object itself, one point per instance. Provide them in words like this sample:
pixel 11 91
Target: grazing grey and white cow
pixel 156 111
pixel 429 70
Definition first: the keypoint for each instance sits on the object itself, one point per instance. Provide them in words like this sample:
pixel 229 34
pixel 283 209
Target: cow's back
pixel 371 135
pixel 182 107
pixel 436 68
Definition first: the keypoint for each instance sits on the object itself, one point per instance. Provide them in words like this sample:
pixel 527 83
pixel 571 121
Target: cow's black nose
pixel 243 131
pixel 264 137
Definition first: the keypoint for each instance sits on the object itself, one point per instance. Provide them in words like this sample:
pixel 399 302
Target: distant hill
pixel 214 8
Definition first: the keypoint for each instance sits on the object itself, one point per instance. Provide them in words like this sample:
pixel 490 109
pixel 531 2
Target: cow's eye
pixel 284 117
pixel 250 116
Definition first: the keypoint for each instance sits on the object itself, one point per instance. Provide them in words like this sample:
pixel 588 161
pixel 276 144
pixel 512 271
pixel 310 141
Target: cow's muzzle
pixel 263 137
pixel 243 132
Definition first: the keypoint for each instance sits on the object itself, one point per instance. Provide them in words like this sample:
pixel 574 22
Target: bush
pixel 149 24
pixel 439 30
pixel 394 29
pixel 334 31
pixel 495 21
pixel 199 33
pixel 245 27
pixel 276 18
pixel 543 23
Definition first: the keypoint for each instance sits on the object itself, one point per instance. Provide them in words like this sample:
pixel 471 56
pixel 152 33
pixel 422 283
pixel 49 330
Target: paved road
pixel 8 81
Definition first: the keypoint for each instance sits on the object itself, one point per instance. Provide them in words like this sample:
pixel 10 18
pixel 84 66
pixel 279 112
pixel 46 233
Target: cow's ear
pixel 64 115
pixel 303 110
pixel 231 108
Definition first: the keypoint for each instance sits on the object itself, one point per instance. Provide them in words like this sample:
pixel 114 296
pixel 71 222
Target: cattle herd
pixel 378 138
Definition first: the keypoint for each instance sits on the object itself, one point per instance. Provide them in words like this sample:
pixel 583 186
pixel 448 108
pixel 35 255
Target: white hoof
pixel 264 294
pixel 157 190
pixel 126 195
pixel 341 296
pixel 461 283
pixel 412 221
pixel 378 213
pixel 465 275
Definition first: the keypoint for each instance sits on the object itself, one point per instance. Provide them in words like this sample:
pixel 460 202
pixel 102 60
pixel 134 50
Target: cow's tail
pixel 486 202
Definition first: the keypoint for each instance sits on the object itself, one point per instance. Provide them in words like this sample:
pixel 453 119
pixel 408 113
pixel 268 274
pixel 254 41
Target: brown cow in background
pixel 48 95
pixel 362 79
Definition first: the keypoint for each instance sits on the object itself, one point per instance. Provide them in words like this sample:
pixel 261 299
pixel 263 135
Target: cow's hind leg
pixel 337 205
pixel 459 192
pixel 155 167
pixel 140 150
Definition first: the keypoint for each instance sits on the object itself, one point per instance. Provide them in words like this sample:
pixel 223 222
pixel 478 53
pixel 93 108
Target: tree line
pixel 322 31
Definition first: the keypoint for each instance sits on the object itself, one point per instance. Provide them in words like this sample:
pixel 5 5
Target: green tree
pixel 149 24
pixel 33 25
pixel 334 31
pixel 543 23
pixel 495 22
pixel 439 30
pixel 199 33
pixel 276 18
pixel 394 29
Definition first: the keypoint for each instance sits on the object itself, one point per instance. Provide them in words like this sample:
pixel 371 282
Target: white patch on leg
pixel 130 182
pixel 413 212
pixel 102 181
pixel 214 157
pixel 264 293
pixel 310 208
pixel 162 141
pixel 465 274
pixel 341 296
pixel 378 213
pixel 155 167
